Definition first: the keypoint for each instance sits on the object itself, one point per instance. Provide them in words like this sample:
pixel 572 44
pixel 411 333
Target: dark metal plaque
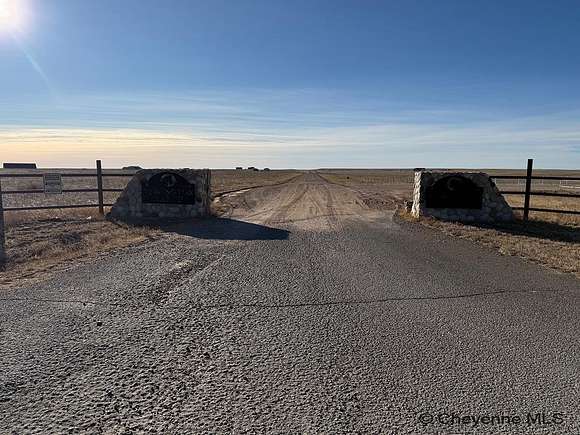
pixel 454 191
pixel 167 188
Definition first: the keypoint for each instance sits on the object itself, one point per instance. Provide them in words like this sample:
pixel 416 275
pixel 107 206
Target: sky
pixel 290 84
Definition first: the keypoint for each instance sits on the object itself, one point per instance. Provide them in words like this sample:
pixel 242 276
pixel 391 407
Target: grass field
pixel 225 180
pixel 368 176
pixel 379 188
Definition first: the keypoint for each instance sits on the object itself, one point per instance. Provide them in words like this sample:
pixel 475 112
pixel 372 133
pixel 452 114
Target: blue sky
pixel 292 83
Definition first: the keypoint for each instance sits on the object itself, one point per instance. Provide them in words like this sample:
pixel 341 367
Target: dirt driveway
pixel 306 203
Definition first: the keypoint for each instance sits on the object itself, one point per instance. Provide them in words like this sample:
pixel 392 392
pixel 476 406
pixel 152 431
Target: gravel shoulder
pixel 304 310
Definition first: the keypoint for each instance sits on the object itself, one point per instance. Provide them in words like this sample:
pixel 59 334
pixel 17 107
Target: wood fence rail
pixel 99 175
pixel 528 191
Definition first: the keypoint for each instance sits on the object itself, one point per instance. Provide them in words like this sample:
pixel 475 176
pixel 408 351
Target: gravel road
pixel 303 311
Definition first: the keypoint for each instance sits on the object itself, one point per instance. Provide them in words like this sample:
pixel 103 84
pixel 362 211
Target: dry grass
pixel 379 188
pixel 40 247
pixel 40 199
pixel 550 244
pixel 41 241
pixel 549 202
pixel 226 180
pixel 356 177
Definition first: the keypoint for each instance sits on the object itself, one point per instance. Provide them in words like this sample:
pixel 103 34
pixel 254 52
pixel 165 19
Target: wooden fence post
pixel 528 189
pixel 100 187
pixel 2 233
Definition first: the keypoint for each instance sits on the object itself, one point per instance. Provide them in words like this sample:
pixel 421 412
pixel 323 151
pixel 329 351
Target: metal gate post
pixel 528 189
pixel 2 233
pixel 100 187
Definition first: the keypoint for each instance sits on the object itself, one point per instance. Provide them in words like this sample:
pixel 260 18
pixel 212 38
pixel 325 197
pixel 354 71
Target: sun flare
pixel 12 15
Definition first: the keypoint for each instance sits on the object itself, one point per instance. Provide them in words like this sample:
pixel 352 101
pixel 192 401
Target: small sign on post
pixel 52 183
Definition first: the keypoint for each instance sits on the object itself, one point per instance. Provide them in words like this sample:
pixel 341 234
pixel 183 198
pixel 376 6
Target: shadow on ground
pixel 537 229
pixel 225 229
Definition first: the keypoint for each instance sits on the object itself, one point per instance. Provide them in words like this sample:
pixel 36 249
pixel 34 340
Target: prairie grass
pixel 555 203
pixel 379 188
pixel 227 180
pixel 354 177
pixel 37 248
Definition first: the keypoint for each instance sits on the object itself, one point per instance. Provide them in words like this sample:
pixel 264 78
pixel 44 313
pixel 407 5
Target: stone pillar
pixel 491 207
pixel 187 196
pixel 416 209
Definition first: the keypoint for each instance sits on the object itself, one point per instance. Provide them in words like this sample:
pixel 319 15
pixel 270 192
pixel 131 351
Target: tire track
pixel 308 202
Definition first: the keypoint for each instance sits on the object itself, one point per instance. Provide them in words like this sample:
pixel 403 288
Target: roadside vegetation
pixel 550 202
pixel 40 247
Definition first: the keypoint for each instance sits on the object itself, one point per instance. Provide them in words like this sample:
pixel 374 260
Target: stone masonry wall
pixel 130 207
pixel 494 206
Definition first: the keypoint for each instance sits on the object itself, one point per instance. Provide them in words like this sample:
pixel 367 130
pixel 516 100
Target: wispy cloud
pixel 285 129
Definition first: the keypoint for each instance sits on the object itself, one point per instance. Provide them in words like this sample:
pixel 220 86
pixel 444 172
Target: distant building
pixel 19 165
pixel 239 168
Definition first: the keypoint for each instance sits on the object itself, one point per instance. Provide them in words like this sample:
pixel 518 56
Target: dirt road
pixel 302 310
pixel 307 204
